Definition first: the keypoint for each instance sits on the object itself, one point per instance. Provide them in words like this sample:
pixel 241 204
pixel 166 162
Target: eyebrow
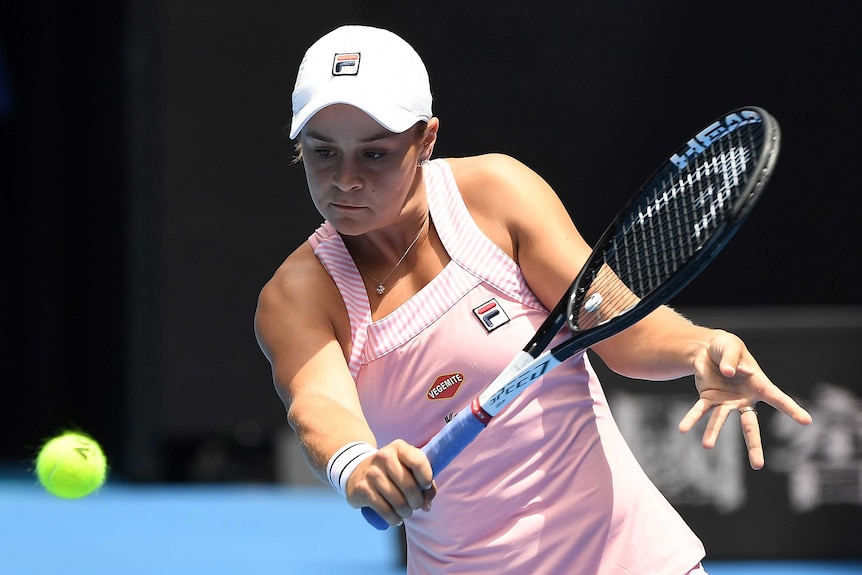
pixel 373 138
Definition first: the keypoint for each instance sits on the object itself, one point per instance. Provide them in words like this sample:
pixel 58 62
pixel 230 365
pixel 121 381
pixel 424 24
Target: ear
pixel 429 138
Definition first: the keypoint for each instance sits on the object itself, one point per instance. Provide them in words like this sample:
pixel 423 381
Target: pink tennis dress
pixel 550 487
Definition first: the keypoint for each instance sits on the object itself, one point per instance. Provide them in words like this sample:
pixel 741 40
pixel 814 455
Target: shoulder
pixel 498 181
pixel 487 171
pixel 300 293
pixel 504 196
pixel 298 270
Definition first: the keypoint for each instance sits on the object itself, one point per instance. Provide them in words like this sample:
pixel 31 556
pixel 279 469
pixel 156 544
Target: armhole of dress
pixel 465 242
pixel 329 248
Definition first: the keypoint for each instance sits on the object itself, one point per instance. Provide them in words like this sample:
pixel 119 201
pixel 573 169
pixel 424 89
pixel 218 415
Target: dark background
pixel 147 192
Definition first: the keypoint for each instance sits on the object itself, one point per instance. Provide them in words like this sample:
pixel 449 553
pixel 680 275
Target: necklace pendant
pixel 380 287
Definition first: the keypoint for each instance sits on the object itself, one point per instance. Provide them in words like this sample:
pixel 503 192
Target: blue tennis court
pixel 224 530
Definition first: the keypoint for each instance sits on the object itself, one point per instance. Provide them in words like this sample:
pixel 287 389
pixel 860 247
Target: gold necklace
pixel 380 287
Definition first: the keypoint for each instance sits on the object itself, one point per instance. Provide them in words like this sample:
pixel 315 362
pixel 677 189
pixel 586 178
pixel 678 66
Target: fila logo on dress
pixel 491 314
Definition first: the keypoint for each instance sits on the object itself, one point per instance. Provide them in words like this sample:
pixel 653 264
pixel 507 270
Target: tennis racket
pixel 678 221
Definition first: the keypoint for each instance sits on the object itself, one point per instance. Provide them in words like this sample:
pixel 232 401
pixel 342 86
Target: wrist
pixel 345 461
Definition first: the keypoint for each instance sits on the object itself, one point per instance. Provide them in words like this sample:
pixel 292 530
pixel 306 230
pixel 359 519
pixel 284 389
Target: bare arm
pixel 520 212
pixel 302 328
pixel 297 333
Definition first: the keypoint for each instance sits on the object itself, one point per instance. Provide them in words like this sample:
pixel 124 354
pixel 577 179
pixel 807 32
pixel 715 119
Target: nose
pixel 346 176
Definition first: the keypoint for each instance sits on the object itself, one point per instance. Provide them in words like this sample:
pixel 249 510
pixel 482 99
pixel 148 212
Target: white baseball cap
pixel 369 68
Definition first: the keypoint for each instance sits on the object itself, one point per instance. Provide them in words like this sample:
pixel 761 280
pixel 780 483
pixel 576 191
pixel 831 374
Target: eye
pixel 375 155
pixel 323 153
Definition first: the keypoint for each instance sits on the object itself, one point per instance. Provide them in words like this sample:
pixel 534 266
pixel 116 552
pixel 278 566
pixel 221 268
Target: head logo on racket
pixel 713 132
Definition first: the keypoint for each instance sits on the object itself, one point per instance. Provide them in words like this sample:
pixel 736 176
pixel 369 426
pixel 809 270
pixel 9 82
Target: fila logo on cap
pixel 345 64
pixel 491 315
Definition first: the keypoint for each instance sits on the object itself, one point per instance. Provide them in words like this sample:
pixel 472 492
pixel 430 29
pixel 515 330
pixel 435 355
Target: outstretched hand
pixel 728 378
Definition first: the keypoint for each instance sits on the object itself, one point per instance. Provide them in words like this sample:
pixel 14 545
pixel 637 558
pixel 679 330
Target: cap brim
pixel 393 118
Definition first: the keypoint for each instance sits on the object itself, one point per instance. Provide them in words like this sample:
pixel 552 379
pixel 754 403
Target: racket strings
pixel 607 298
pixel 681 214
pixel 677 215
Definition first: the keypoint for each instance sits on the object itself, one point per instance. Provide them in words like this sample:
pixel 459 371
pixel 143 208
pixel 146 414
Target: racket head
pixel 675 224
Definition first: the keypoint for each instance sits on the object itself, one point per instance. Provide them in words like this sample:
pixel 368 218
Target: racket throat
pixel 479 413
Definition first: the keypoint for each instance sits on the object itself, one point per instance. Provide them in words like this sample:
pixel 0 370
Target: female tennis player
pixel 424 280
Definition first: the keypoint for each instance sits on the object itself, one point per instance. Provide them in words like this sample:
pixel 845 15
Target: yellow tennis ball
pixel 71 465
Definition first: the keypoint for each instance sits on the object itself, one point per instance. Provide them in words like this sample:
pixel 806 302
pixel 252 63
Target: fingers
pixel 727 352
pixel 784 403
pixel 748 420
pixel 730 362
pixel 395 482
pixel 714 425
pixel 693 415
pixel 751 433
pixel 719 401
pixel 427 495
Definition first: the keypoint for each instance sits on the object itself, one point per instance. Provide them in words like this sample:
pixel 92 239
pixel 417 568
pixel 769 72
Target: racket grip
pixel 453 438
pixel 441 450
pixel 374 519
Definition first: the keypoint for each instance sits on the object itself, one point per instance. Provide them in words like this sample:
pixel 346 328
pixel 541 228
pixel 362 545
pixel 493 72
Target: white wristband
pixel 344 462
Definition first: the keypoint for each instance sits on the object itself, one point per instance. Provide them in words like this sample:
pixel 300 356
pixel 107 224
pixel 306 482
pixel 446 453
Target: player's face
pixel 361 176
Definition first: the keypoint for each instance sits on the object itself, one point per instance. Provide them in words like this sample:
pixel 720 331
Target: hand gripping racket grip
pixel 442 449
